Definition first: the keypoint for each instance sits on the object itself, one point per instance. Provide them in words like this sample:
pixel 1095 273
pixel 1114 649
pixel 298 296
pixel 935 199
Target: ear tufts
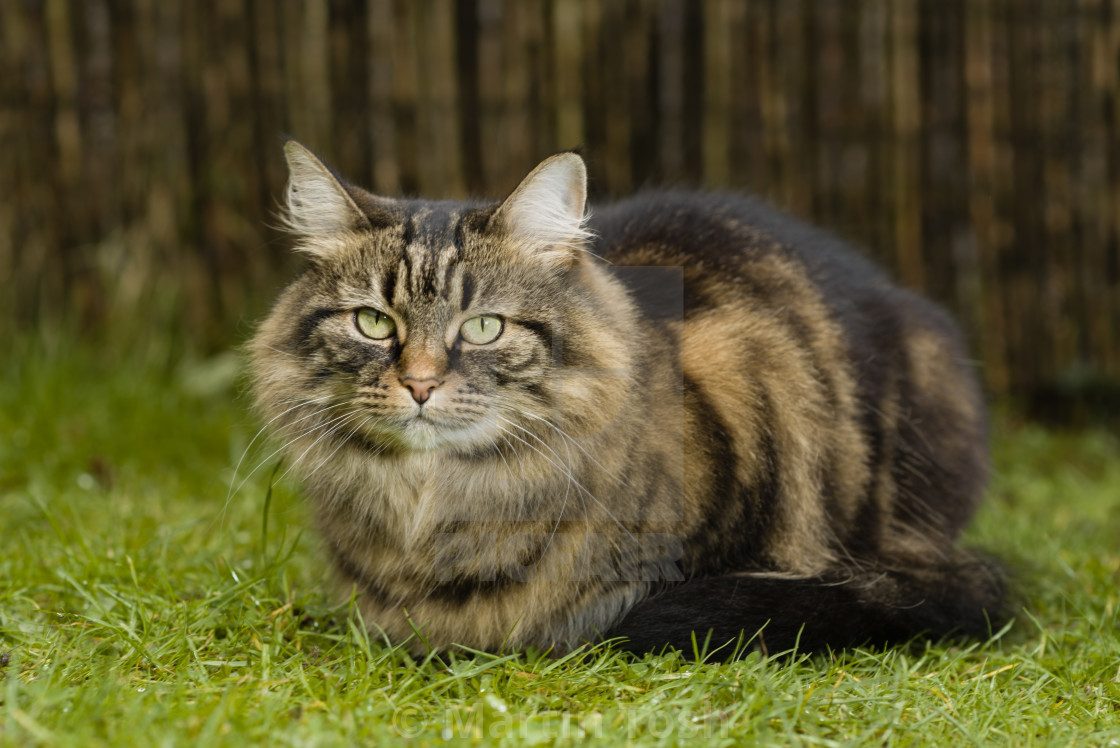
pixel 546 211
pixel 317 203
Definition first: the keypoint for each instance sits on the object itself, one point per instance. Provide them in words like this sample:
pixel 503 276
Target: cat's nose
pixel 421 389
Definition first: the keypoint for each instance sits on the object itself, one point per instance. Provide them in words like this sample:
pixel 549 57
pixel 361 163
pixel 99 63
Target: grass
pixel 139 607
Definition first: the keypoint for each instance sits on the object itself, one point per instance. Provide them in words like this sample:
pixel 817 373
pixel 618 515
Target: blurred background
pixel 972 146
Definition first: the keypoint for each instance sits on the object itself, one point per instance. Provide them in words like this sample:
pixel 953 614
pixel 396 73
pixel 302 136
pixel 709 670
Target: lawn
pixel 143 604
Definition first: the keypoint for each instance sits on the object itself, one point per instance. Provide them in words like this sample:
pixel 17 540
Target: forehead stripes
pixel 431 246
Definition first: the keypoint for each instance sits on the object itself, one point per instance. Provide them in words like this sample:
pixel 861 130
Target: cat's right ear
pixel 546 213
pixel 318 205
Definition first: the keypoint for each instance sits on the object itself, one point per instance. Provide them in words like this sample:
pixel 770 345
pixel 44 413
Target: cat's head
pixel 437 325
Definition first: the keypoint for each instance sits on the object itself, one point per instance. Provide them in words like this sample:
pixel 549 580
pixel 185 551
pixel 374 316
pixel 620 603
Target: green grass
pixel 139 607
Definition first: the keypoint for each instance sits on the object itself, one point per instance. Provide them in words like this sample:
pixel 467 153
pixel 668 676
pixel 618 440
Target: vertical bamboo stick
pixel 1025 256
pixel 941 153
pixel 716 142
pixel 980 117
pixel 469 136
pixel 542 94
pixel 853 169
pixel 1011 256
pixel 67 130
pixel 491 95
pixel 670 39
pixel 640 83
pixel 873 102
pixel 952 258
pixel 437 106
pixel 742 117
pixel 694 85
pixel 267 86
pixel 828 75
pixel 11 91
pixel 781 111
pixel 34 244
pixel 1100 266
pixel 567 46
pixel 380 61
pixel 594 92
pixel 615 159
pixel 1058 127
pixel 315 116
pixel 517 80
pixel 233 216
pixel 346 49
pixel 405 94
pixel 1111 244
pixel 906 110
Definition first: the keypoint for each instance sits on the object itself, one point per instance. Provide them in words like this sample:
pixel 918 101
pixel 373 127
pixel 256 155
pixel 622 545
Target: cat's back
pixel 738 256
pixel 718 238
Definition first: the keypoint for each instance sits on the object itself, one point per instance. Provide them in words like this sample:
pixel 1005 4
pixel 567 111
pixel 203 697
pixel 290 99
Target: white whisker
pixel 335 424
pixel 568 473
pixel 291 441
pixel 299 403
pixel 341 443
pixel 570 439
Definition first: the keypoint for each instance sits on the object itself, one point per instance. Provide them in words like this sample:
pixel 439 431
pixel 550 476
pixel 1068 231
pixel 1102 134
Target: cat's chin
pixel 423 433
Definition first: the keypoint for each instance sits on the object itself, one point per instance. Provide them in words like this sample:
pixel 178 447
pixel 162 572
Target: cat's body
pixel 728 421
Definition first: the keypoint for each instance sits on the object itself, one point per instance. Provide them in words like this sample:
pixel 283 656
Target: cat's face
pixel 423 326
pixel 428 335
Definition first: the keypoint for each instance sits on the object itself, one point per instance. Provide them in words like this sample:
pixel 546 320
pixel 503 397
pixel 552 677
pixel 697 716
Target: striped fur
pixel 699 415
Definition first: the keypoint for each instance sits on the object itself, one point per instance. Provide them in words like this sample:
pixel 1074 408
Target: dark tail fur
pixel 960 598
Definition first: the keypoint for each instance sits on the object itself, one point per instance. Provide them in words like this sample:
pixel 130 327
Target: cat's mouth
pixel 428 429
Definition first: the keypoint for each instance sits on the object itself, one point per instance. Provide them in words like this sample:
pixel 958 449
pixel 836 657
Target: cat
pixel 684 417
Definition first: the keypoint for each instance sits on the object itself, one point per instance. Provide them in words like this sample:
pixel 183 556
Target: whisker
pixel 578 446
pixel 498 449
pixel 291 441
pixel 589 494
pixel 335 426
pixel 567 490
pixel 299 403
pixel 578 485
pixel 341 444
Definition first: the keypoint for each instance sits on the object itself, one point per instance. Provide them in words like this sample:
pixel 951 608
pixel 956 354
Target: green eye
pixel 481 330
pixel 374 324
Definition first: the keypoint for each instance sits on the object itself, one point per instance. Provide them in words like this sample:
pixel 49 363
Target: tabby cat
pixel 687 415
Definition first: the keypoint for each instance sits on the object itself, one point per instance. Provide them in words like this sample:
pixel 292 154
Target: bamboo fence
pixel 972 146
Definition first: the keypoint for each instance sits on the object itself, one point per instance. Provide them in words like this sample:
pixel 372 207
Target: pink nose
pixel 421 389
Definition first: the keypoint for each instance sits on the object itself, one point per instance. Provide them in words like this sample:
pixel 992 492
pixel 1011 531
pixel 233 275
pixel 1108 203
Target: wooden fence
pixel 973 146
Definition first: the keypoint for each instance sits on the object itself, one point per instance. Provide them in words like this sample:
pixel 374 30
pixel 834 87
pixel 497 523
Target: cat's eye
pixel 481 330
pixel 374 324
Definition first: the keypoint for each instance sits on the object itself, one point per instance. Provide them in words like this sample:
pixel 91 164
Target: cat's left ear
pixel 545 214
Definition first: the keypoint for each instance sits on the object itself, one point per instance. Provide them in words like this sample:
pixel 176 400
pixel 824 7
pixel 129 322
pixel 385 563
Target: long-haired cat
pixel 687 413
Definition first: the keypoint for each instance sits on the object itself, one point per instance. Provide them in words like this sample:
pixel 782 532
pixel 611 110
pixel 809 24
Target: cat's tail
pixel 964 597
